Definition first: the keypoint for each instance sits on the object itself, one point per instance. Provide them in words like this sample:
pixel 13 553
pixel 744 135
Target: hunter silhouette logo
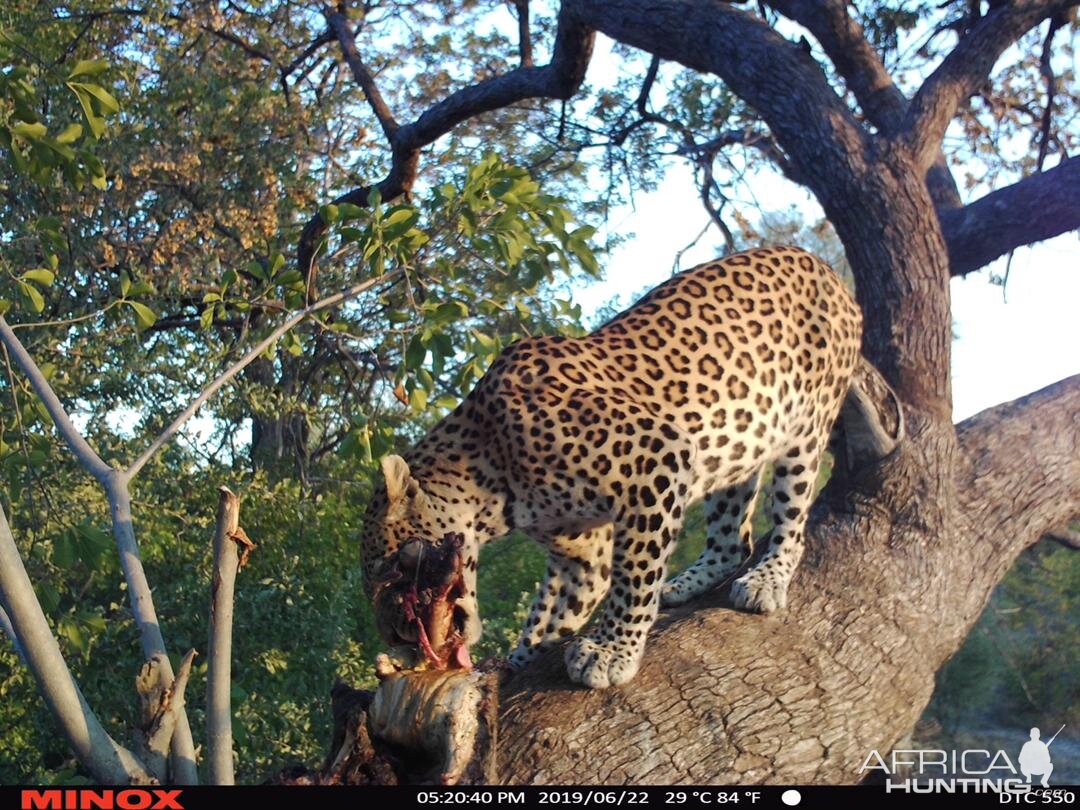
pixel 1035 757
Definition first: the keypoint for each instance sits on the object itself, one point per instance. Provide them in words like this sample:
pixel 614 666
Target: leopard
pixel 596 446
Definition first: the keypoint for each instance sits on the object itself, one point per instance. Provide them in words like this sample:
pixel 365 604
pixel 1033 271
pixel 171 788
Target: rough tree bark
pixel 902 558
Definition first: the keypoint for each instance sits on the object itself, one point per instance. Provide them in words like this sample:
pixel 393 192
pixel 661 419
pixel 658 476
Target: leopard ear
pixel 399 481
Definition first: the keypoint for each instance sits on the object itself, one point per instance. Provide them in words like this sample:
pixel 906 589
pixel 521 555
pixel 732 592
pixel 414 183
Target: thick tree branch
pixel 855 59
pixel 109 762
pixel 1020 477
pixel 339 24
pixel 559 79
pixel 884 596
pixel 961 72
pixel 1038 207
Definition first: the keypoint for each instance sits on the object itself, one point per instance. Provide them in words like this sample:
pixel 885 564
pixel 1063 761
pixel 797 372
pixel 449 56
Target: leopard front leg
pixel 578 571
pixel 610 652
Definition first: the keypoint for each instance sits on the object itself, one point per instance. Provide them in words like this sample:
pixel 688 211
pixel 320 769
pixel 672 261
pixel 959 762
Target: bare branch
pixel 521 8
pixel 1038 207
pixel 184 770
pixel 772 74
pixel 109 762
pixel 761 141
pixel 339 24
pixel 86 455
pixel 161 705
pixel 177 423
pixel 219 660
pixel 959 75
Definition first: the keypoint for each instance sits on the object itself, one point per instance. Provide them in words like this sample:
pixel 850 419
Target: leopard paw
pixel 760 590
pixel 522 655
pixel 684 587
pixel 598 665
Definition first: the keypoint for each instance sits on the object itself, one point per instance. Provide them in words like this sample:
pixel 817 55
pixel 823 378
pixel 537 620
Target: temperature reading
pixel 711 797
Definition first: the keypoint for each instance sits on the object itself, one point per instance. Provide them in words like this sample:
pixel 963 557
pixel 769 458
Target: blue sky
pixel 1006 346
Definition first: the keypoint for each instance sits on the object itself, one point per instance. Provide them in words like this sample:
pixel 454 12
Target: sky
pixel 1008 343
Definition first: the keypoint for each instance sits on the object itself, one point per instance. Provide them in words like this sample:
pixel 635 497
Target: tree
pixel 902 556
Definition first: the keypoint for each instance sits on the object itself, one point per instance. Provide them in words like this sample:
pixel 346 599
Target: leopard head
pixel 419 580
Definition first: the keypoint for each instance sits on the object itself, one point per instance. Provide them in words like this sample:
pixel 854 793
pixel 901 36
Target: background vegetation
pixel 158 165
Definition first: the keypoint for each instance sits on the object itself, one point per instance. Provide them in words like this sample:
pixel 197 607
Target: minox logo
pixel 90 799
pixel 971 771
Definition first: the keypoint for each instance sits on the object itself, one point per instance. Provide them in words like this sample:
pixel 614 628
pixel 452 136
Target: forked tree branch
pixel 109 762
pixel 115 483
pixel 559 79
pixel 866 76
pixel 966 67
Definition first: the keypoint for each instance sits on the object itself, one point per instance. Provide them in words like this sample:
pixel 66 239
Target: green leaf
pixel 88 67
pixel 34 132
pixel 144 316
pixel 108 104
pixel 350 211
pixel 95 121
pixel 290 277
pixel 399 215
pixel 276 264
pixel 415 353
pixel 449 312
pixel 40 276
pixel 70 630
pixel 374 198
pixel 292 344
pixel 206 320
pixel 31 297
pixel 418 399
pixel 229 277
pixel 70 134
pixel 48 596
pixel 329 214
pixel 125 283
pixel 63 553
